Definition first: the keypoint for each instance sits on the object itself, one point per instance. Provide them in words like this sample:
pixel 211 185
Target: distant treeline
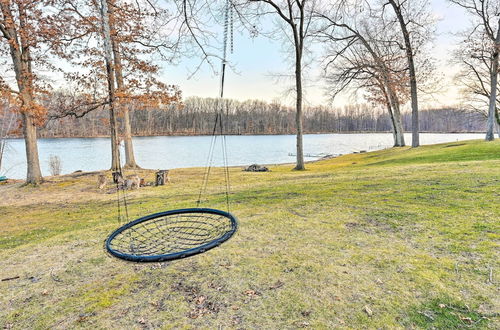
pixel 197 117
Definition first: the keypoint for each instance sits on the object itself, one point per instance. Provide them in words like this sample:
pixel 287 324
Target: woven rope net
pixel 171 235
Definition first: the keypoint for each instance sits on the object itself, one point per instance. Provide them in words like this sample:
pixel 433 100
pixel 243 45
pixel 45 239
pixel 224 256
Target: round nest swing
pixel 171 235
pixel 182 233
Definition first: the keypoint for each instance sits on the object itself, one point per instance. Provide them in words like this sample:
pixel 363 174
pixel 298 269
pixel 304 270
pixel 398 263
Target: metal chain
pixel 219 118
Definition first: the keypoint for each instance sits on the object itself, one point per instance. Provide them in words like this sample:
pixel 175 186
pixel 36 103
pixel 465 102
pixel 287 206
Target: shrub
pixel 55 165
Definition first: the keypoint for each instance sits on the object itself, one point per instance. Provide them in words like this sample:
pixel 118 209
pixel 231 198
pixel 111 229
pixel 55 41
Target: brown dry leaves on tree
pixel 26 36
pixel 28 33
pixel 136 40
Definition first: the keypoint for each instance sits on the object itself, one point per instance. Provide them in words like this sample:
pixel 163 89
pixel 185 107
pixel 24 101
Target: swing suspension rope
pixel 176 234
pixel 123 198
pixel 219 115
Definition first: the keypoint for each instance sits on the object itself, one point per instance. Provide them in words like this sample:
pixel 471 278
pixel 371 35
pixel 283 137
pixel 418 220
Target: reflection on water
pixel 166 152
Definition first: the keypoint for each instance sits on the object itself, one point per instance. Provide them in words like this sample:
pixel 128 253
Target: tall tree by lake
pixel 416 26
pixel 141 29
pixel 26 31
pixel 362 57
pixel 127 36
pixel 297 17
pixel 474 76
pixel 110 70
pixel 482 43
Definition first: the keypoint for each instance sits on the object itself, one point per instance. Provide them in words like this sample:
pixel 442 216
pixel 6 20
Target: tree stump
pixel 161 177
pixel 117 177
pixel 102 181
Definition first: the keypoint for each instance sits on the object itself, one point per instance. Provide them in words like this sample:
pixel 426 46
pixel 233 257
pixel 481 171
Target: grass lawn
pixel 399 238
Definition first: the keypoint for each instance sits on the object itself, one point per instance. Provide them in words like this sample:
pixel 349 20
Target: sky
pixel 257 61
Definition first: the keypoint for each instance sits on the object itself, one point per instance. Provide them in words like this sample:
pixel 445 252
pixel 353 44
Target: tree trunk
pixel 298 115
pixel 34 174
pixel 299 47
pixel 399 140
pixel 415 128
pixel 490 136
pixel 115 147
pixel 497 120
pixel 395 127
pixel 398 127
pixel 415 141
pixel 20 53
pixel 129 148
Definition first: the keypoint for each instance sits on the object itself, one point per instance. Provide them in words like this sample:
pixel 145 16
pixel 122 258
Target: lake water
pixel 167 152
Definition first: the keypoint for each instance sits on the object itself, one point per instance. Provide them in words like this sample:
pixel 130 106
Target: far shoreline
pixel 261 134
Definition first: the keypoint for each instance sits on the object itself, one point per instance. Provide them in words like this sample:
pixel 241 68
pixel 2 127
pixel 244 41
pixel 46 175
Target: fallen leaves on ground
pixel 368 311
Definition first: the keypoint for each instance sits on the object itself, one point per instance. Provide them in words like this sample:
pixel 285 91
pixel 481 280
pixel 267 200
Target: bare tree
pixel 478 58
pixel 416 26
pixel 486 19
pixel 474 77
pixel 361 55
pixel 297 16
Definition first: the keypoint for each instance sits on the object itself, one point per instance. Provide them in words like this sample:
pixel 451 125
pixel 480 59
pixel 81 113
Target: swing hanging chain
pixel 124 197
pixel 209 163
pixel 118 202
pixel 219 116
pixel 125 203
pixel 229 16
pixel 226 169
pixel 228 28
pixel 231 21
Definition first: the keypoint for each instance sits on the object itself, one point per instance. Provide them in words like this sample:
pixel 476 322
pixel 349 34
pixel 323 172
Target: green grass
pixel 411 235
pixel 444 313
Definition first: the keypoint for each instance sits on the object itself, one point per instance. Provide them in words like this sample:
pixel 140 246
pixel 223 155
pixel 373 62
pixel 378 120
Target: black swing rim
pixel 177 255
